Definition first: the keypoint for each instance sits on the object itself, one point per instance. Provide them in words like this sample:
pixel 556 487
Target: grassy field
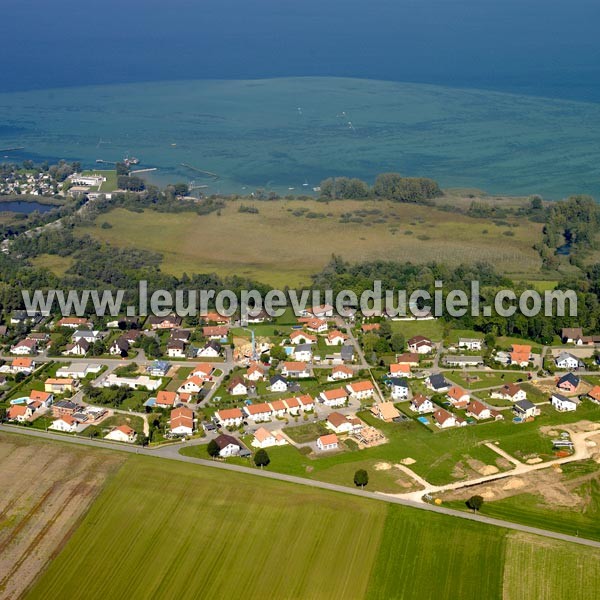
pixel 432 328
pixel 198 532
pixel 267 244
pixel 486 379
pixel 59 265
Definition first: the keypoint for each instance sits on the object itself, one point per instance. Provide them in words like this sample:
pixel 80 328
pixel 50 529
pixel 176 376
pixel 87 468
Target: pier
pixel 196 170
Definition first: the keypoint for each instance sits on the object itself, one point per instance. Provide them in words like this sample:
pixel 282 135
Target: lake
pixel 20 206
pixel 288 134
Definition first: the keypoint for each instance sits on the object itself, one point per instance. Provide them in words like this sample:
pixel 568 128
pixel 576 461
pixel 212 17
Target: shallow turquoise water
pixel 291 133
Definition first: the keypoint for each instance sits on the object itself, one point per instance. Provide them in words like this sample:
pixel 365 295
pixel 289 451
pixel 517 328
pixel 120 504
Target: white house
pixel 317 325
pixel 24 347
pixel 334 398
pixel 564 404
pixel 525 409
pixel 176 349
pixel 192 385
pixel 567 361
pixel 89 336
pixel 420 345
pixel 19 413
pixel 228 445
pixel 472 344
pixel 335 338
pixel 258 412
pixel 267 439
pixel 421 404
pixel 278 384
pixel 296 369
pixel 67 424
pixel 230 417
pixel 237 387
pixel 361 389
pixel 327 442
pixel 78 370
pixel 306 402
pixel 134 383
pixel 303 353
pixel 79 348
pixel 399 388
pixel 478 410
pixel 443 419
pixel 340 372
pixel 510 391
pixel 301 337
pixel 122 433
pixel 339 423
pixel 182 421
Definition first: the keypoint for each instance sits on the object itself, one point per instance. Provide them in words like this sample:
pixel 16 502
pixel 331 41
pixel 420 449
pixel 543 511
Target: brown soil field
pixel 46 489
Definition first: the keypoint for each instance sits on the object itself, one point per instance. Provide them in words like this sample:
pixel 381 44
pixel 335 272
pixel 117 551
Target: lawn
pixel 430 328
pixel 110 185
pixel 486 379
pixel 262 248
pixel 58 265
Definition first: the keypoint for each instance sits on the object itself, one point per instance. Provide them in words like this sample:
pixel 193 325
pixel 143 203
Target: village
pixel 227 390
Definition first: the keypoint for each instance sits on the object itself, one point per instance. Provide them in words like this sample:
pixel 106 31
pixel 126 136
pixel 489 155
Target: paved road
pixel 172 453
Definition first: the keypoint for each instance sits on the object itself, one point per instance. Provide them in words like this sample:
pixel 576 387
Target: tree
pixel 397 342
pixel 213 449
pixel 475 503
pixel 278 353
pixel 361 478
pixel 261 458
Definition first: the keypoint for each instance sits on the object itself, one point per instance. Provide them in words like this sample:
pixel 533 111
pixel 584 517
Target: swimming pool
pixel 22 400
pixel 423 420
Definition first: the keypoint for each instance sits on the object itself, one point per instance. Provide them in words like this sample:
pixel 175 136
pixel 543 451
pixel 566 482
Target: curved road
pixel 172 453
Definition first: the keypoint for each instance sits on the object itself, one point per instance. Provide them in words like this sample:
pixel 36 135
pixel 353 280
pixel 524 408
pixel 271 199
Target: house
pixel 78 371
pixel 570 335
pixel 228 445
pixel 65 407
pixel 278 408
pixel 39 338
pixel 303 353
pixel 588 340
pixel 159 368
pixel 594 394
pixel 478 410
pixel 301 337
pixel 369 327
pixel 563 404
pixel 420 344
pixel 237 387
pixel 347 353
pixel 230 417
pixel 324 310
pixel 192 385
pixel 134 383
pixel 397 370
pixel 74 323
pixel 399 388
pixel 463 361
pixel 181 422
pixel 19 413
pixel 525 409
pixel 45 398
pixel 278 383
pixel 67 424
pixel 121 433
pixel 341 372
pixel 328 442
pixel 437 383
pixel 79 348
pixel 211 349
pixel 86 334
pixel 292 405
pixel 168 322
pixel 421 404
pixel 472 344
pixel 443 419
pixel 317 325
pixel 215 332
pixel 306 402
pixel 295 369
pixel 339 423
pixel 520 355
pixel 24 347
pixel 361 389
pixel 203 371
pixel 166 399
pixel 510 391
pixel 567 361
pixel 22 365
pixel 568 383
pixel 458 397
pixel 334 398
pixel 258 412
pixel 267 439
pixel 176 349
pixel 180 335
pixel 255 372
pixel 120 347
pixel 386 411
pixel 335 338
pixel 408 358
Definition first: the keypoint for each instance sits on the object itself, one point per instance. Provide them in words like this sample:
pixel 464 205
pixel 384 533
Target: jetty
pixel 144 170
pixel 196 170
pixel 15 149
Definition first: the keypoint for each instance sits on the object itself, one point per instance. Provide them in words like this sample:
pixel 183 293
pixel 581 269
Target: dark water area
pixel 536 47
pixel 20 206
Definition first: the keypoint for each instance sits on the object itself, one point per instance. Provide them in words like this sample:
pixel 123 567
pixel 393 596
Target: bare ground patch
pixel 47 487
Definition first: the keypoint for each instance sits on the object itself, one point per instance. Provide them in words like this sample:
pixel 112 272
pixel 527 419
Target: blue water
pixel 25 207
pixel 541 47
